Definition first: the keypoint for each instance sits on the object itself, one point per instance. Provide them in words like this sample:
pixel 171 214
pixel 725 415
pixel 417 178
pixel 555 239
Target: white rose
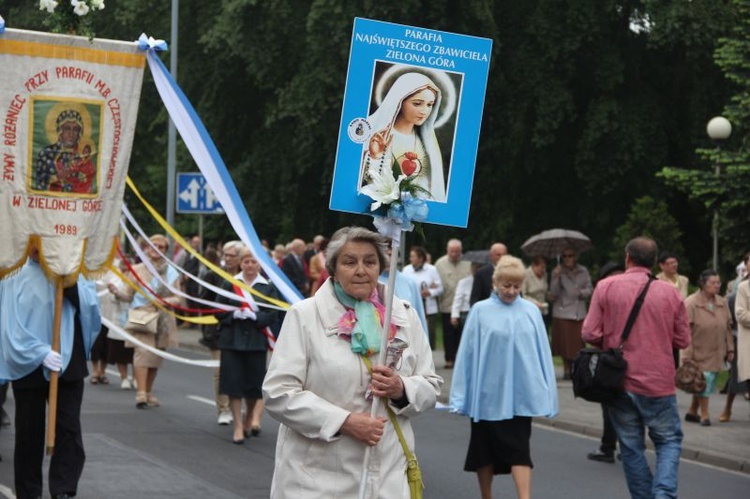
pixel 79 7
pixel 97 4
pixel 48 5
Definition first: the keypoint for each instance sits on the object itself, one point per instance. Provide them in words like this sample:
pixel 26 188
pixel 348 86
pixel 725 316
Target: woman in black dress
pixel 243 341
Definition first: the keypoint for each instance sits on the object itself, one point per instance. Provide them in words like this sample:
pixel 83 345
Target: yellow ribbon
pixel 204 319
pixel 176 236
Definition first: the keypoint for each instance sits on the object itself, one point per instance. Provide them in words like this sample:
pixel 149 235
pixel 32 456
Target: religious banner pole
pixel 54 375
pixel 69 106
pixel 393 268
pixel 405 168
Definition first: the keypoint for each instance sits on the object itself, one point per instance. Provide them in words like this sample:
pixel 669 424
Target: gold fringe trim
pixel 35 243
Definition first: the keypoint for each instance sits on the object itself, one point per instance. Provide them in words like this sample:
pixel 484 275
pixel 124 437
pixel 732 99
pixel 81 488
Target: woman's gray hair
pixel 358 235
pixel 237 246
pixel 705 276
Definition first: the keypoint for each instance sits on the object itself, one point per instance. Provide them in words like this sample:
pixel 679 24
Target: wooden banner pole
pixel 53 375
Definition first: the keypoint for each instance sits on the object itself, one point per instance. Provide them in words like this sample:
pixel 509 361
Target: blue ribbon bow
pixel 407 210
pixel 149 43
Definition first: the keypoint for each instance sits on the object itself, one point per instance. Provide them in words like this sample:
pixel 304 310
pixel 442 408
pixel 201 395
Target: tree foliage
pixel 581 109
pixel 725 192
pixel 650 218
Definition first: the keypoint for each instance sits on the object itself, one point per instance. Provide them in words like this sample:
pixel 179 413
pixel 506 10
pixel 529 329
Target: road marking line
pixel 7 492
pixel 202 399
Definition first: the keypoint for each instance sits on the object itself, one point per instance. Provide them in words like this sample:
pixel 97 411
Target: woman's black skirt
pixel 118 353
pixel 99 348
pixel 500 444
pixel 241 374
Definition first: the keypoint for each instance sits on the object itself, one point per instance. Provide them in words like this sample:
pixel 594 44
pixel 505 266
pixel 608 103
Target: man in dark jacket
pixel 294 268
pixel 482 288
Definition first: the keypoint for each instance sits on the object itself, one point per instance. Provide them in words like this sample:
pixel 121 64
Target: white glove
pixel 248 314
pixel 244 314
pixel 53 361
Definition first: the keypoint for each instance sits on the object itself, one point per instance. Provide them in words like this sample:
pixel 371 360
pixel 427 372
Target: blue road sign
pixel 194 196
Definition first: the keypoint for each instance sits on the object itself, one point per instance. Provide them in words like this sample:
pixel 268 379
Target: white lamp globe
pixel 719 128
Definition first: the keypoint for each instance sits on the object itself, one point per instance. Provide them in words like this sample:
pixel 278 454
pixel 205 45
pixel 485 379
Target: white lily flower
pixel 79 7
pixel 97 4
pixel 48 5
pixel 383 188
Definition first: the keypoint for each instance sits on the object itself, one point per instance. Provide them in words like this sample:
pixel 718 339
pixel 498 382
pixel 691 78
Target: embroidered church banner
pixel 412 105
pixel 68 108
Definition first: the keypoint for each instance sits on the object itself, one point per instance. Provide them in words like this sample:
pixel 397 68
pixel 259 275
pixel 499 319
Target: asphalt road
pixel 179 451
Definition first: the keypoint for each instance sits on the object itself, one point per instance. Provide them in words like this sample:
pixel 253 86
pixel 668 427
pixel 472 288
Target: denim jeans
pixel 609 437
pixel 631 414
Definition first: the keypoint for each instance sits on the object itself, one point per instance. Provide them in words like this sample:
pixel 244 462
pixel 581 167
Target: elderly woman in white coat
pixel 317 381
pixel 742 311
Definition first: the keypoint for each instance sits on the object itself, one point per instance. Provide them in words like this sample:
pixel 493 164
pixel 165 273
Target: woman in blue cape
pixel 27 309
pixel 503 377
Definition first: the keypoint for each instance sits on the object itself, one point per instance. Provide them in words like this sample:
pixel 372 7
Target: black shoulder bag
pixel 598 375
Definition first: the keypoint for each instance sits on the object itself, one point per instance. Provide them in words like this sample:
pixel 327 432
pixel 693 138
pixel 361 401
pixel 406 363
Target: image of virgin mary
pixel 66 166
pixel 403 137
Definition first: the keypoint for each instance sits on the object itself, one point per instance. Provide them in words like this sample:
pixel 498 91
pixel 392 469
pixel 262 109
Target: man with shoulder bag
pixel 648 399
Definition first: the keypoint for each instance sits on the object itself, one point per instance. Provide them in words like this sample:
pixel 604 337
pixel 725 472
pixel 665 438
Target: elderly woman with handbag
pixel 711 341
pixel 570 288
pixel 317 383
pixel 149 325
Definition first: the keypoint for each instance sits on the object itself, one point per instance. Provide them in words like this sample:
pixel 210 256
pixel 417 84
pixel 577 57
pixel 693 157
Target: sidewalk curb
pixel 688 453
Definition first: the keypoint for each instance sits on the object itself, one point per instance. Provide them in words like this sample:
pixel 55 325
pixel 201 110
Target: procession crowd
pixel 501 324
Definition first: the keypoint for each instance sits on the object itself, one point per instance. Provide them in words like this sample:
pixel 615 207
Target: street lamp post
pixel 718 129
pixel 172 130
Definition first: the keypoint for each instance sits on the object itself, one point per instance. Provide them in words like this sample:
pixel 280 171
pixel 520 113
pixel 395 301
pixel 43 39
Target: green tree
pixel 581 109
pixel 725 193
pixel 650 218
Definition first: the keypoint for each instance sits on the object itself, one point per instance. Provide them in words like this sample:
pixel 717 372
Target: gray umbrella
pixel 551 243
pixel 476 256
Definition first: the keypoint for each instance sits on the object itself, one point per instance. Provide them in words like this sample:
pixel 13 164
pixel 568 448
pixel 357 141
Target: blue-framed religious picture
pixel 412 109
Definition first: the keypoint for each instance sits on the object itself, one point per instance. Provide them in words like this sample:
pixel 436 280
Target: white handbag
pixel 142 320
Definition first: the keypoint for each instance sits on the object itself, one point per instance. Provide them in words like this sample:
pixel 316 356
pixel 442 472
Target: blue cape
pixel 504 364
pixel 407 290
pixel 27 308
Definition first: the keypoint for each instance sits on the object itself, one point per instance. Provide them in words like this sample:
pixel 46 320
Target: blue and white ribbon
pixel 388 227
pixel 408 209
pixel 160 353
pixel 143 258
pixel 209 161
pixel 148 42
pixel 400 216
